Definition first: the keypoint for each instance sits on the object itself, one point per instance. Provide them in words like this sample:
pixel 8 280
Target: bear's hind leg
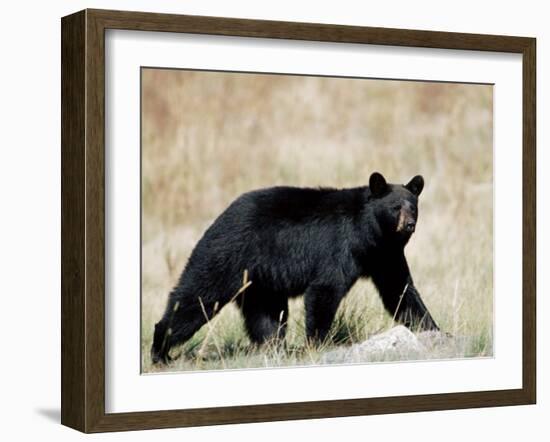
pixel 173 330
pixel 265 315
pixel 184 316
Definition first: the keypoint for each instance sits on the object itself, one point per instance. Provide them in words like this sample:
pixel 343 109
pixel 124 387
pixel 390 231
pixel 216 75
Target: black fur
pixel 294 241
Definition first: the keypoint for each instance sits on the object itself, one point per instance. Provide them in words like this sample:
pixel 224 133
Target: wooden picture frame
pixel 83 220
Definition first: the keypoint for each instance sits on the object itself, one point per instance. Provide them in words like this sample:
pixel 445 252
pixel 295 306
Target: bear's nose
pixel 409 227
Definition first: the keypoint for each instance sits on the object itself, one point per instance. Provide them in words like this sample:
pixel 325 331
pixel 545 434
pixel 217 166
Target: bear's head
pixel 395 206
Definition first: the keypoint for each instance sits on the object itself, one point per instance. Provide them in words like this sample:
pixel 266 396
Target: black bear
pixel 292 241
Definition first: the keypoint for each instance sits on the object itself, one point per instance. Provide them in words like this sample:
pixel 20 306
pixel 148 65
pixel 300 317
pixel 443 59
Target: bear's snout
pixel 409 227
pixel 406 222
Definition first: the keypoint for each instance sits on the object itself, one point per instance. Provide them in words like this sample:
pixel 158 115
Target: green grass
pixel 209 137
pixel 361 315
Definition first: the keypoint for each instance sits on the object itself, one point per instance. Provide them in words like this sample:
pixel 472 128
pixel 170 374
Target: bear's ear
pixel 416 185
pixel 377 184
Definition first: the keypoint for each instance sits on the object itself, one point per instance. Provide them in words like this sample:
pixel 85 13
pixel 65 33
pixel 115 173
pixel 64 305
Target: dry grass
pixel 208 137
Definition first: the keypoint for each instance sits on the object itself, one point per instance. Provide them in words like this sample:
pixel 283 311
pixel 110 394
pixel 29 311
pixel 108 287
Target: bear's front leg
pixel 412 312
pixel 321 302
pixel 401 299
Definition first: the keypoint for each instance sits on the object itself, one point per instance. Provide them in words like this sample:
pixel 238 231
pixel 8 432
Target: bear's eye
pixel 397 207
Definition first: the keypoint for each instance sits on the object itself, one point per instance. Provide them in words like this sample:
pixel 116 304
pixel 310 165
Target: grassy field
pixel 208 137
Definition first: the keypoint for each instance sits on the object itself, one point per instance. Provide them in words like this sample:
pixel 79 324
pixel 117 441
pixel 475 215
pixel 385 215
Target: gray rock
pixel 397 343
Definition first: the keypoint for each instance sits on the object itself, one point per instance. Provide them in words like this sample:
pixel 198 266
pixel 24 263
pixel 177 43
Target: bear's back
pixel 299 205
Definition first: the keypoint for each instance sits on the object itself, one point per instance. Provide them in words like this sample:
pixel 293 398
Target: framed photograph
pixel 271 220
